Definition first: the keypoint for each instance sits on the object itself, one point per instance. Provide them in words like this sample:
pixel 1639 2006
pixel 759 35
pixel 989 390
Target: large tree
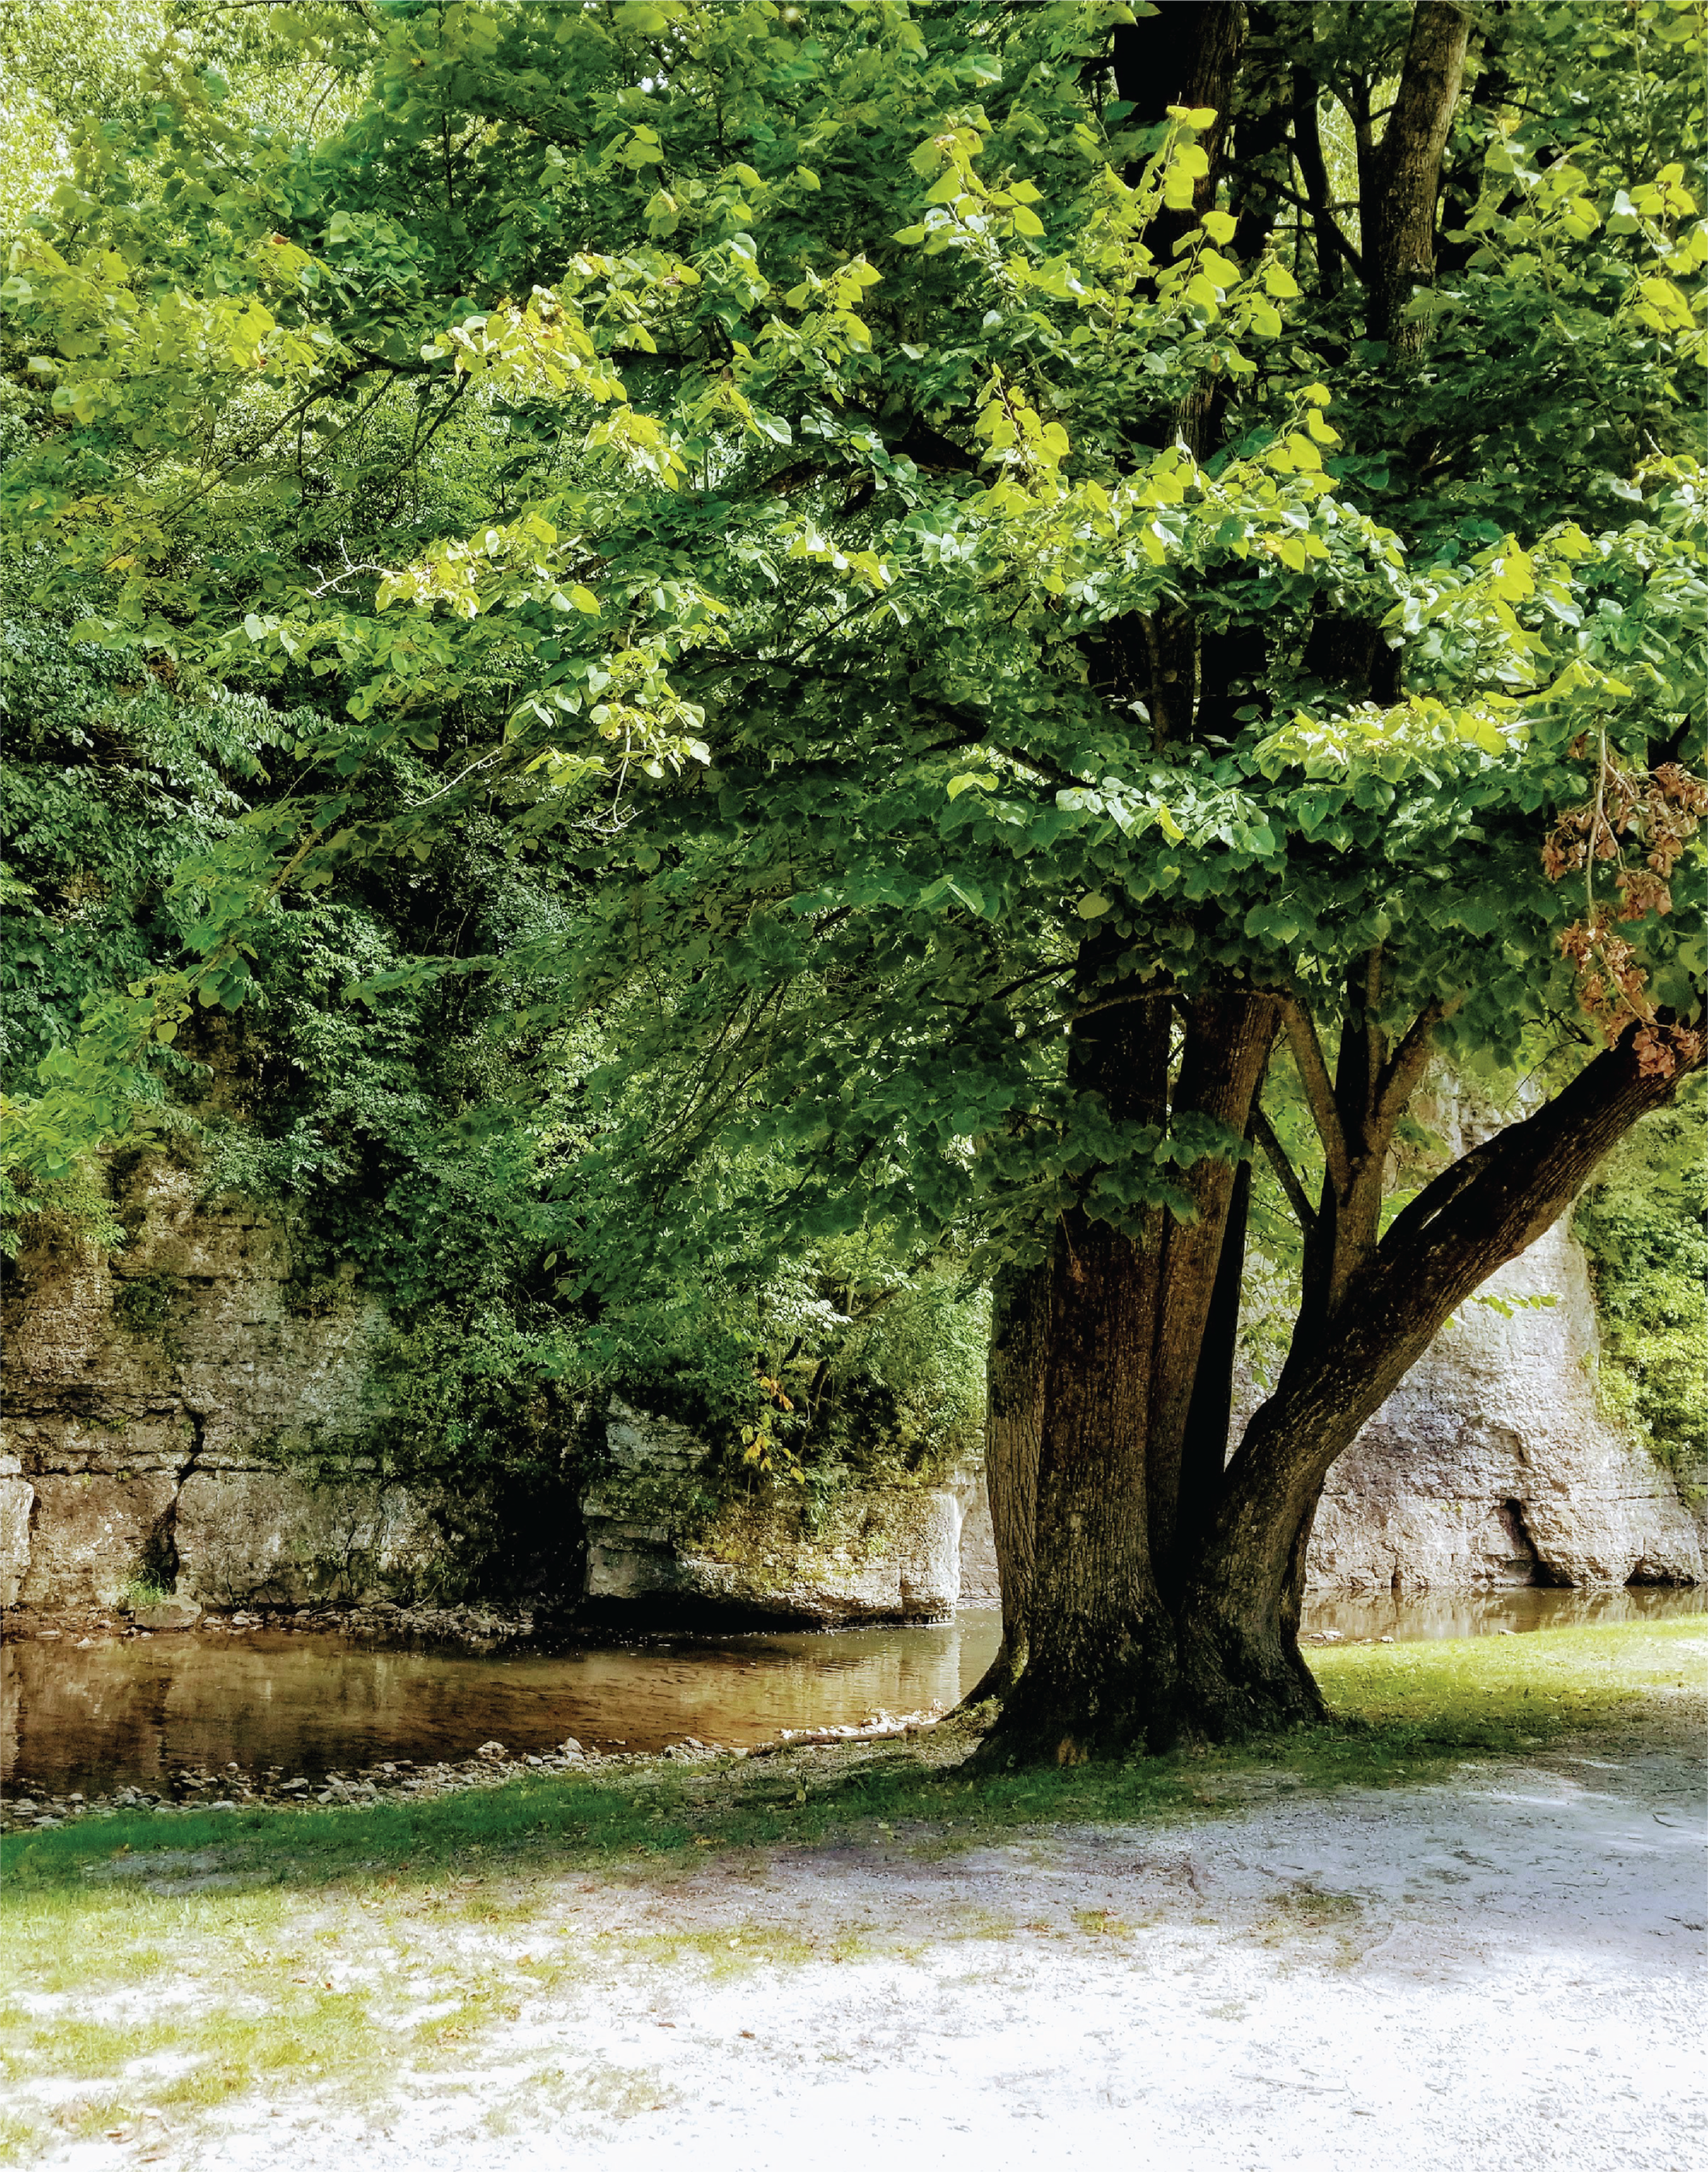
pixel 1056 565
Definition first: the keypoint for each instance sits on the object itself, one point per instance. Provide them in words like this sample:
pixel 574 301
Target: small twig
pixel 485 762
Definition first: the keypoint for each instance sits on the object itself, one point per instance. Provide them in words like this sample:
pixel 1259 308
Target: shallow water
pixel 311 1702
pixel 1411 1617
pixel 134 1711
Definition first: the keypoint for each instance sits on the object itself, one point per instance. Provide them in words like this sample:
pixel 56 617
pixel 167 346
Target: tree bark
pixel 1228 1039
pixel 1239 1662
pixel 1013 1427
pixel 1186 54
pixel 1399 218
pixel 1203 1450
pixel 1333 248
pixel 1099 1677
pixel 1099 1671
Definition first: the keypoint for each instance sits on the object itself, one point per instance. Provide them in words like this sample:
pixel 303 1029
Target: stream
pixel 131 1711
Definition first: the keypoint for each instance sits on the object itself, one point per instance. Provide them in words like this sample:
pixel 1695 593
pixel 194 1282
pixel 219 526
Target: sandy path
pixel 1506 1970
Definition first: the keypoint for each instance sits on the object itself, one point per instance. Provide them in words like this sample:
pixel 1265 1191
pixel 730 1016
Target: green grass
pixel 1398 1710
pixel 355 1968
pixel 1507 1692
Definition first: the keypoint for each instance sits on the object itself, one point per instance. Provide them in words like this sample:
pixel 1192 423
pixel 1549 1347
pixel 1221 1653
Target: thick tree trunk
pixel 1128 1320
pixel 1118 1661
pixel 1013 1426
pixel 1099 1677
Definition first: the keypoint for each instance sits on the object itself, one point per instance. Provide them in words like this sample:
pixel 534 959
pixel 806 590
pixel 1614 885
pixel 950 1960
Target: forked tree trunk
pixel 1120 1661
pixel 1227 1047
pixel 1240 1668
pixel 1130 1322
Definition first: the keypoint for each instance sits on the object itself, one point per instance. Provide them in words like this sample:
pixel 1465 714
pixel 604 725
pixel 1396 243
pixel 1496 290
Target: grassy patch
pixel 1398 1710
pixel 356 1971
pixel 1505 1693
pixel 729 1950
pixel 1103 1923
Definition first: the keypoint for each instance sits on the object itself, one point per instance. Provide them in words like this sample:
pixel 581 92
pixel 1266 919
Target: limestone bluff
pixel 175 1412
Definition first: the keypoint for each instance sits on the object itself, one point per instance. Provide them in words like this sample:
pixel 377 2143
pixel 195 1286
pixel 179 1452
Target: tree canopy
pixel 1027 568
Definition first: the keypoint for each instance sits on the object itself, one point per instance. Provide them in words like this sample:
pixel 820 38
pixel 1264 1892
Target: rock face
pixel 980 1584
pixel 889 1554
pixel 161 1403
pixel 17 1499
pixel 151 1399
pixel 1492 1464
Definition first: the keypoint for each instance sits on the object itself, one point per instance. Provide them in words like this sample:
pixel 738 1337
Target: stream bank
pixel 1400 1942
pixel 235 1709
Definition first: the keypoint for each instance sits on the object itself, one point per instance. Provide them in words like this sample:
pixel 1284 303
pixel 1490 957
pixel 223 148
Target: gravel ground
pixel 1504 1968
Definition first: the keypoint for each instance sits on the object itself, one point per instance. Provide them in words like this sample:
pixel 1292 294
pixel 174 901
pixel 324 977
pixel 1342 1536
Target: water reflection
pixel 310 1704
pixel 1410 1617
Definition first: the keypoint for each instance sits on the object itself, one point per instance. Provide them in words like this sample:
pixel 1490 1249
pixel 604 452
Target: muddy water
pixel 135 1710
pixel 1412 1617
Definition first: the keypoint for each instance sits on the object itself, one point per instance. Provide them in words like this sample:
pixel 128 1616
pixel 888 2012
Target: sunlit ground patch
pixel 393 1942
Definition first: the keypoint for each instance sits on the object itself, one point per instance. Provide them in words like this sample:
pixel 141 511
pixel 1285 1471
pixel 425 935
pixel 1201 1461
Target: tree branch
pixel 1397 1081
pixel 1319 1091
pixel 1264 1132
pixel 1399 214
pixel 1313 171
pixel 1375 1048
pixel 1440 1192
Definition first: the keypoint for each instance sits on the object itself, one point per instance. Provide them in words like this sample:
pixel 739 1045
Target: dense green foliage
pixel 1645 1225
pixel 706 580
pixel 905 836
pixel 404 1143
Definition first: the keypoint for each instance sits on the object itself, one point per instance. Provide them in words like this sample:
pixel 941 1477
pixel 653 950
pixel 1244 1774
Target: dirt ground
pixel 1503 1968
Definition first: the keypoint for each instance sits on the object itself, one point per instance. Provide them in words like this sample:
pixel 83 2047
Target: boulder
pixel 169 1614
